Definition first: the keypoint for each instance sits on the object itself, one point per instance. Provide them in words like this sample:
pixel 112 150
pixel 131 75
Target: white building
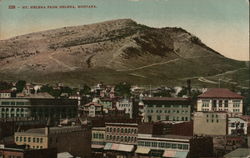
pixel 236 125
pixel 220 99
pixel 127 105
pixel 5 94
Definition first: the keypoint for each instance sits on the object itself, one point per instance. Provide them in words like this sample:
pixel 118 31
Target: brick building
pixel 73 139
pixel 164 108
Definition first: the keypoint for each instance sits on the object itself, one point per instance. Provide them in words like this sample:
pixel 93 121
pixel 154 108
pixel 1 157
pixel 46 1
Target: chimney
pixel 189 88
pixel 47 130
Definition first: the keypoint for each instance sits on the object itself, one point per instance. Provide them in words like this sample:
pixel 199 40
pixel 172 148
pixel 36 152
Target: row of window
pixel 98 135
pixel 122 130
pixel 168 111
pixel 168 118
pixel 167 106
pixel 212 121
pixel 163 145
pixel 13 109
pixel 14 103
pixel 237 125
pixel 121 138
pixel 28 139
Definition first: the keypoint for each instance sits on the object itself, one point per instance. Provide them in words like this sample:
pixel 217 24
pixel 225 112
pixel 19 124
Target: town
pixel 123 121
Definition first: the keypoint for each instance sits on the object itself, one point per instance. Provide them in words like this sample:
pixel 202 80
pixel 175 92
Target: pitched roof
pixel 93 103
pixel 5 91
pixel 220 93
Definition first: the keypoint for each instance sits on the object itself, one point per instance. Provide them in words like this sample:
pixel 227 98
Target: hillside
pixel 114 51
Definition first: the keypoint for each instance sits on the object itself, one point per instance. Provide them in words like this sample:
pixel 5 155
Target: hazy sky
pixel 221 24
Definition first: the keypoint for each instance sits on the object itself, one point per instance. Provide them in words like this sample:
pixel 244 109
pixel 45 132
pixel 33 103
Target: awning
pixel 118 147
pixel 142 150
pixel 175 154
pixel 95 146
pixel 157 153
pixel 108 146
pixel 126 148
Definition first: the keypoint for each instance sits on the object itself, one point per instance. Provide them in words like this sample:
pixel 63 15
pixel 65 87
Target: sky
pixel 221 24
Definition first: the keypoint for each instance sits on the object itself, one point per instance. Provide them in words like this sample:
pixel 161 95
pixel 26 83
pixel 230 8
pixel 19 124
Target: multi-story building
pixel 210 123
pixel 164 108
pixel 37 108
pixel 124 133
pixel 173 146
pixel 93 109
pixel 127 105
pixel 73 139
pixel 97 141
pixel 220 99
pixel 120 139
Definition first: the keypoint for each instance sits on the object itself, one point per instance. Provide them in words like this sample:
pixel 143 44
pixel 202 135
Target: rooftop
pixel 62 129
pixel 122 124
pixel 5 91
pixel 164 137
pixel 165 99
pixel 220 93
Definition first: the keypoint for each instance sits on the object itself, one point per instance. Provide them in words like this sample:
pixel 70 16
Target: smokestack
pixel 189 87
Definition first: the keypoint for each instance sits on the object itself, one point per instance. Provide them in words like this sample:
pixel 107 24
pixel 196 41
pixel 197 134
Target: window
pixel 21 139
pixel 174 146
pixel 185 146
pixel 41 140
pixel 17 139
pixel 179 146
pixel 158 117
pixel 205 103
pixel 225 103
pixel 220 103
pixel 28 139
pixel 236 103
pixel 34 140
pixel 37 140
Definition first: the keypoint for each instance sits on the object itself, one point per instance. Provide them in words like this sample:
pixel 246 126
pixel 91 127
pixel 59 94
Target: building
pixel 92 109
pixel 37 108
pixel 14 151
pixel 5 93
pixel 173 146
pixel 211 123
pixel 120 139
pixel 164 108
pixel 97 141
pixel 73 139
pixel 237 126
pixel 220 99
pixel 127 105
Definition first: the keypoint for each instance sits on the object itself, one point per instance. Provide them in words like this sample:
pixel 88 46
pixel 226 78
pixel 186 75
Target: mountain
pixel 116 51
